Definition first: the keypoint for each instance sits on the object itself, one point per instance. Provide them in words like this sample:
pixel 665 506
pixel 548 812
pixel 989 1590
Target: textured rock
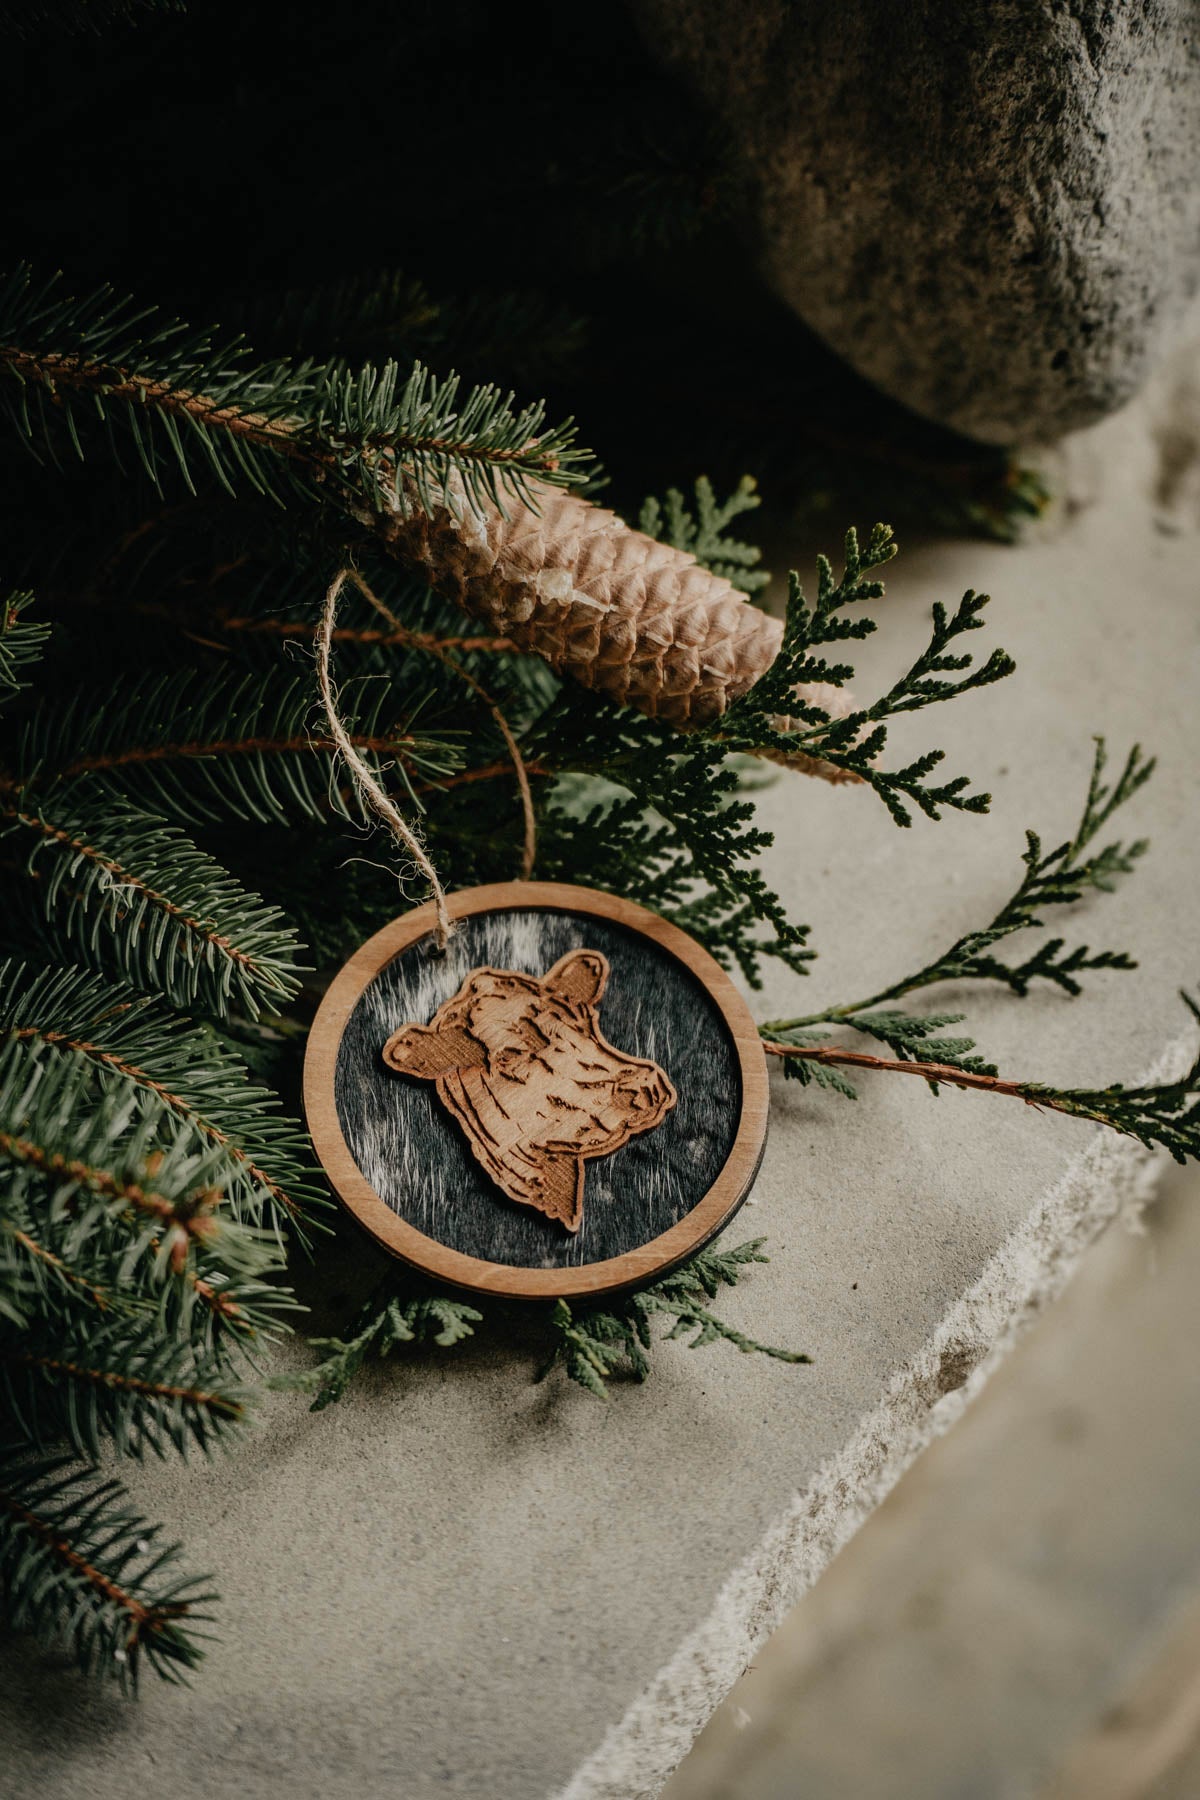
pixel 989 209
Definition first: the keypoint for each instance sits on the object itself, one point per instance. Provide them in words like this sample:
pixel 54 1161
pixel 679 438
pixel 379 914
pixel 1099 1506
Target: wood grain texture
pixel 521 1064
pixel 405 1169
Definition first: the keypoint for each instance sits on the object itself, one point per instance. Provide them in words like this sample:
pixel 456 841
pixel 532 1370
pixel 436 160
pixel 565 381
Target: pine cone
pixel 618 611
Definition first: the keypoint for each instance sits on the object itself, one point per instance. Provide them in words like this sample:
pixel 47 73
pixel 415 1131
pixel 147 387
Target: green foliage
pixel 773 718
pixel 180 403
pixel 196 1088
pixel 1164 1115
pixel 204 748
pixel 703 533
pixel 81 1568
pixel 387 1320
pixel 21 643
pixel 127 892
pixel 33 19
pixel 191 501
pixel 1057 878
pixel 595 1343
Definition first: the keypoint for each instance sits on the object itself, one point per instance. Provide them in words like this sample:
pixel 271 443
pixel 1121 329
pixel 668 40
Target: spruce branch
pixel 104 1203
pixel 204 749
pixel 21 642
pixel 262 1162
pixel 595 1343
pixel 182 402
pixel 80 1568
pixel 122 1382
pixel 122 888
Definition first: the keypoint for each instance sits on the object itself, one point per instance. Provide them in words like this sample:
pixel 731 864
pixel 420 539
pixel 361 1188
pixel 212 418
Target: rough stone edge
pixel 1111 1177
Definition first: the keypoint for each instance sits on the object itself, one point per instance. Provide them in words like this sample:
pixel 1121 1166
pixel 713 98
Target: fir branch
pixel 125 890
pixel 595 1343
pixel 204 749
pixel 263 1158
pixel 102 1195
pixel 30 19
pixel 123 1382
pixel 21 642
pixel 80 1568
pixel 773 719
pixel 703 533
pixel 185 403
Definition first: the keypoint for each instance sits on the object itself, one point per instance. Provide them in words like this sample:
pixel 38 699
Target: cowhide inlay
pixel 484 1169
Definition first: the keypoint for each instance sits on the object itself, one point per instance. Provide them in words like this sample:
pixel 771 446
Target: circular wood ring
pixel 635 1267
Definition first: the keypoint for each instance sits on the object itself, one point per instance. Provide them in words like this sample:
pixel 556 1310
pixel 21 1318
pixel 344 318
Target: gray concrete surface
pixel 1021 1617
pixel 456 1582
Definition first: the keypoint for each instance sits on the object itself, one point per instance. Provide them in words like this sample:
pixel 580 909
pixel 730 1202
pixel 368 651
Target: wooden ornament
pixel 569 1100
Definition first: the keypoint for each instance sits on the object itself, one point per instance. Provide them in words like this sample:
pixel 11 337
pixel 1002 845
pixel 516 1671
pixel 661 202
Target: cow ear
pixel 581 975
pixel 428 1051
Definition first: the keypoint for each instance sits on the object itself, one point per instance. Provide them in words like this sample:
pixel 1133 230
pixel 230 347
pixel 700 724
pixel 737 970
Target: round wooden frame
pixel 635 1267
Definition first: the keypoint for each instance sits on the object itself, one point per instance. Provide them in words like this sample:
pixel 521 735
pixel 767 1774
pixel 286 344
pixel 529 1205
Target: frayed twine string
pixel 369 789
pixel 529 853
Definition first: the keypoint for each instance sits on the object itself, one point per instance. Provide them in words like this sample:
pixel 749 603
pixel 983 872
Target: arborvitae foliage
pixel 182 860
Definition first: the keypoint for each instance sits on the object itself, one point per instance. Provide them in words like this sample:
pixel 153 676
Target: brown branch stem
pixel 928 1071
pixel 139 754
pixel 191 1220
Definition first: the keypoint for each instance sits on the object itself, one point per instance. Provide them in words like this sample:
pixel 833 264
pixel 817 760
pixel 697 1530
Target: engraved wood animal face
pixel 523 1066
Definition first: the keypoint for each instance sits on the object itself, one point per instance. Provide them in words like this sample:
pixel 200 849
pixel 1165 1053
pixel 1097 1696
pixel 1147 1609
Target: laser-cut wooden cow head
pixel 523 1066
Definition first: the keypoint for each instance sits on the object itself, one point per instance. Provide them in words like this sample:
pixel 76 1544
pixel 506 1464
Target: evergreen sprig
pixel 132 1041
pixel 595 1343
pixel 387 1320
pixel 703 534
pixel 183 403
pixel 1056 878
pixel 124 890
pixel 206 748
pixel 22 641
pixel 659 820
pixel 773 718
pixel 80 1567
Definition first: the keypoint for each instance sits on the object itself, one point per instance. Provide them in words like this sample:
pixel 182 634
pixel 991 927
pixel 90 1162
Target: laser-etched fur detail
pixel 523 1066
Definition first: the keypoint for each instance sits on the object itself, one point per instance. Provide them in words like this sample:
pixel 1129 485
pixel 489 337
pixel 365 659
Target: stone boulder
pixel 989 207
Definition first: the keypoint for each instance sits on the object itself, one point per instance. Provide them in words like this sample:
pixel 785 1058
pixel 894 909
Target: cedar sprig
pixel 1163 1115
pixel 772 718
pixel 704 532
pixel 1057 878
pixel 81 1568
pixel 388 1319
pixel 593 1344
pixel 658 816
